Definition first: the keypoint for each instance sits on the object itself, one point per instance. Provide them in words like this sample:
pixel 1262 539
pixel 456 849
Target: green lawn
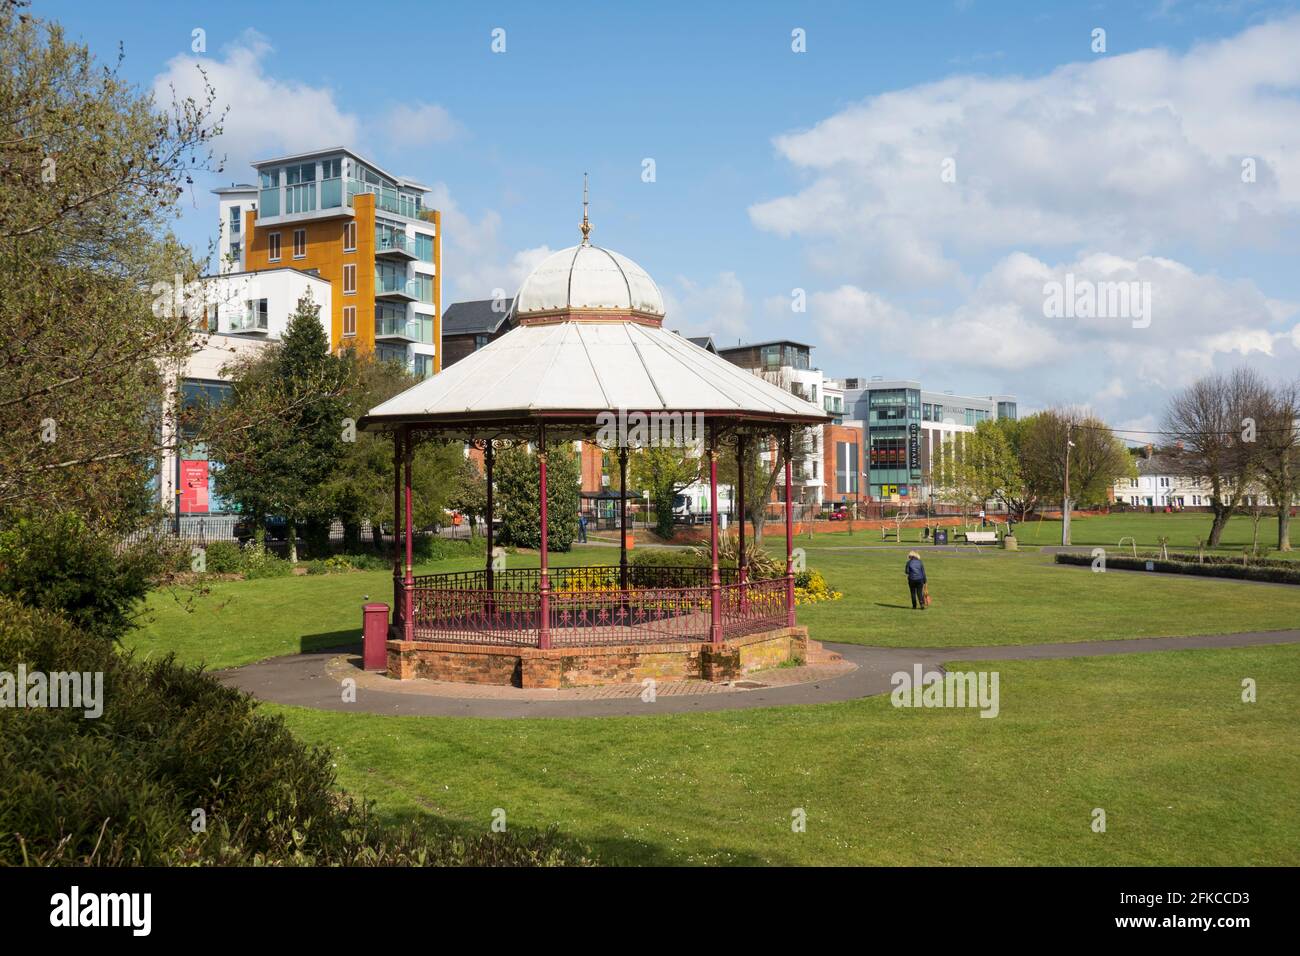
pixel 1187 774
pixel 1023 598
pixel 1183 531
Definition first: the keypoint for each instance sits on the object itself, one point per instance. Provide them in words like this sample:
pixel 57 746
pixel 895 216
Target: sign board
pixel 888 491
pixel 914 448
pixel 194 487
pixel 902 491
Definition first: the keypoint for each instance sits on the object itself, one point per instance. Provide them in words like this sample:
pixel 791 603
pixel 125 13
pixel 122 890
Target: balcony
pixel 387 199
pixel 407 330
pixel 397 288
pixel 249 323
pixel 394 245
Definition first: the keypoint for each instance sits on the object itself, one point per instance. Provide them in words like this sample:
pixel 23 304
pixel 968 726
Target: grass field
pixel 1186 773
pixel 1183 531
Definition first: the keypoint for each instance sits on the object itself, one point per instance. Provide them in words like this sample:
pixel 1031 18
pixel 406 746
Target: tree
pixel 467 491
pixel 1210 420
pixel 518 484
pixel 1072 455
pixel 663 471
pixel 283 465
pixel 951 473
pixel 91 171
pixel 361 487
pixel 1278 454
pixel 762 474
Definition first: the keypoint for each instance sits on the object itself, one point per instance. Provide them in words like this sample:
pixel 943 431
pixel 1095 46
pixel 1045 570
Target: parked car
pixel 839 514
pixel 277 528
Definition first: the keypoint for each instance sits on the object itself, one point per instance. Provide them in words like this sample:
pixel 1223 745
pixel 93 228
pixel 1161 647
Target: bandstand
pixel 589 348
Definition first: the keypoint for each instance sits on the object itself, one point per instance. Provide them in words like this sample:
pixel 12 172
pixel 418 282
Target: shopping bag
pixel 925 593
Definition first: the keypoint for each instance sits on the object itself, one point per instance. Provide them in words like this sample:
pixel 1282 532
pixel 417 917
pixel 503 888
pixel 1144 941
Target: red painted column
pixel 789 533
pixel 715 581
pixel 408 581
pixel 544 585
pixel 622 518
pixel 489 458
pixel 742 571
pixel 399 603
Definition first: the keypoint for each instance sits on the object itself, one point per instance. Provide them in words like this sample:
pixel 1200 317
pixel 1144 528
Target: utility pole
pixel 1065 505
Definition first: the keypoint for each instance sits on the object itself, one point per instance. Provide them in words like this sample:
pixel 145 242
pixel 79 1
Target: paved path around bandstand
pixel 315 680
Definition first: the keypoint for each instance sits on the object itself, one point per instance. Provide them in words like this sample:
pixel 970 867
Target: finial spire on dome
pixel 586 223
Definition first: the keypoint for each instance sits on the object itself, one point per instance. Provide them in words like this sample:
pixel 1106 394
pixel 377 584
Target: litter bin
pixel 940 536
pixel 374 632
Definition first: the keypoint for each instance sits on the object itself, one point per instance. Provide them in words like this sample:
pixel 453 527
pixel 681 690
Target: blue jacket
pixel 915 571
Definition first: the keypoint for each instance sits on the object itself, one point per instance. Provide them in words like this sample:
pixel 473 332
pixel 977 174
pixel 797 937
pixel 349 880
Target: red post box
pixel 375 637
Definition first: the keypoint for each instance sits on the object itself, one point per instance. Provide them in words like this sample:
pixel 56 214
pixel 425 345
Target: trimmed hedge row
pixel 1276 572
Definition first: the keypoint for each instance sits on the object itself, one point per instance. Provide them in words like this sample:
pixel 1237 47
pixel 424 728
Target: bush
pixel 434 548
pixel 222 557
pixel 122 789
pixel 810 588
pixel 58 563
pixel 1278 572
pixel 645 568
pixel 517 496
pixel 335 564
pixel 257 562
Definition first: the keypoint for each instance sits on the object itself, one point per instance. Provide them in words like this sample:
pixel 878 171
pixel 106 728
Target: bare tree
pixel 1278 454
pixel 1215 422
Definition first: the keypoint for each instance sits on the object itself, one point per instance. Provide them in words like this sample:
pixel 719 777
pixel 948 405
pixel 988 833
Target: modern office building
pixel 904 426
pixel 366 232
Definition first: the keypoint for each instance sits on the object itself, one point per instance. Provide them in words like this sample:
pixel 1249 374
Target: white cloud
pixel 1124 152
pixel 719 307
pixel 425 124
pixel 266 116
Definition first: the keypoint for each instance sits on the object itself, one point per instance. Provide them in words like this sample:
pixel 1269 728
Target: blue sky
pixel 820 171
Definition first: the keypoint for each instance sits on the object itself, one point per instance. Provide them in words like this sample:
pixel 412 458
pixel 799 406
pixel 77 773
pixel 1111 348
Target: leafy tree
pixel 663 471
pixel 91 172
pixel 1072 442
pixel 993 467
pixel 283 465
pixel 361 487
pixel 764 466
pixel 517 488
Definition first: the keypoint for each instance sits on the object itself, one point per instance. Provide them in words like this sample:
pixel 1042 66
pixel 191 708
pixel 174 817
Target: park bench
pixel 980 537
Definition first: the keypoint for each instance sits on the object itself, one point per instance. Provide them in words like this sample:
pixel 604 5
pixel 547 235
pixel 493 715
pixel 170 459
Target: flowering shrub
pixel 810 588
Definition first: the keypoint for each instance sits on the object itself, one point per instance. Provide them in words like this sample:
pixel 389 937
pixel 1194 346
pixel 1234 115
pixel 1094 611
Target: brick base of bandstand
pixel 559 667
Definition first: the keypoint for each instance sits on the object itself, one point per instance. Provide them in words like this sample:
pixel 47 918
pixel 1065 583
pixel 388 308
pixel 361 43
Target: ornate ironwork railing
pixel 587 606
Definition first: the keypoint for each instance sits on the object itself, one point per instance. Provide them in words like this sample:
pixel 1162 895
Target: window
pixel 234 221
pixel 350 320
pixel 255 316
pixel 330 168
pixel 423 365
pixel 273 241
pixel 350 237
pixel 424 247
pixel 236 251
pixel 300 243
pixel 480 341
pixel 426 289
pixel 349 279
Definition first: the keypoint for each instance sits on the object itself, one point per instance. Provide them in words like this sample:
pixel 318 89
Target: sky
pixel 904 187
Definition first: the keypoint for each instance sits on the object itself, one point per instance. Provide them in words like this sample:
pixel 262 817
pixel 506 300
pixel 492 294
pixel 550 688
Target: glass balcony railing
pixel 394 242
pixel 398 328
pixel 249 322
pixel 331 193
pixel 268 203
pixel 386 284
pixel 389 200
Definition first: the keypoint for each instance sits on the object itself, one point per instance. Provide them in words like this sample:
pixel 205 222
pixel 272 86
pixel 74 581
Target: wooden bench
pixel 980 537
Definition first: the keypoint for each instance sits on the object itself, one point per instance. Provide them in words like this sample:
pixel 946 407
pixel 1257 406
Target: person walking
pixel 582 529
pixel 915 571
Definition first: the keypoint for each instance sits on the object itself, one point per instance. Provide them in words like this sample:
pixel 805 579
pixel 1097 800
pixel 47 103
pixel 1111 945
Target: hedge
pixel 1276 572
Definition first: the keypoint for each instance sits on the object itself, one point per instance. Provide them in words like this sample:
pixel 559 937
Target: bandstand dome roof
pixel 589 338
pixel 589 278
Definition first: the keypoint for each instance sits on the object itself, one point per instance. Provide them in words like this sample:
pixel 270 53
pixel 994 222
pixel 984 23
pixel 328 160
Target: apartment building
pixel 904 425
pixel 366 232
pixel 788 364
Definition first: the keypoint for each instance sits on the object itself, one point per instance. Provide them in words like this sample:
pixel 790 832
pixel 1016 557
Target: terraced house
pixel 334 214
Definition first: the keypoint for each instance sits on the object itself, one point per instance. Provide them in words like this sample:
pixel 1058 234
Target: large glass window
pixel 269 196
pixel 424 247
pixel 300 188
pixel 426 289
pixel 846 467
